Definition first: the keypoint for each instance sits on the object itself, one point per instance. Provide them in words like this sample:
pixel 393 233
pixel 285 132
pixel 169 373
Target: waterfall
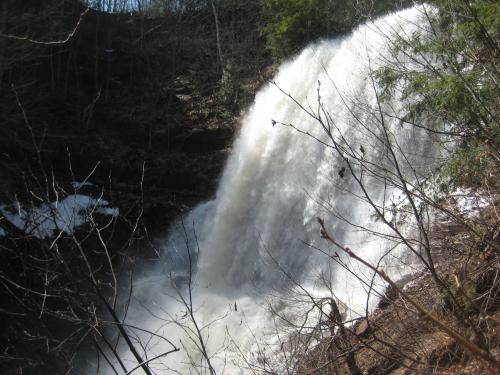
pixel 258 239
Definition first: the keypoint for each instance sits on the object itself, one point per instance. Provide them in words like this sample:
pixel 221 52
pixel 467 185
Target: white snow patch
pixel 469 202
pixel 78 185
pixel 2 232
pixel 108 211
pixel 64 215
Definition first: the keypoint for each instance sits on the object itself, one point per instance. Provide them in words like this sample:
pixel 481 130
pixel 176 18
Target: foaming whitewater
pixel 256 242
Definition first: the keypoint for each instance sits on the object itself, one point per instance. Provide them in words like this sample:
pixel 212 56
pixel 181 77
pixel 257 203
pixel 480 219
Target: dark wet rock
pixel 207 140
pixel 362 328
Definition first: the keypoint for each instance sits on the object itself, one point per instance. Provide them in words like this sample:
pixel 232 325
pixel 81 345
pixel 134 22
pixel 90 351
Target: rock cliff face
pixel 128 98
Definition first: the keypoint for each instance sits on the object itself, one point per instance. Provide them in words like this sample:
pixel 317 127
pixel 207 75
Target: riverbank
pixel 396 339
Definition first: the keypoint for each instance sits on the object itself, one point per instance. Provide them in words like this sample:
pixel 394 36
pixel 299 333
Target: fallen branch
pixel 466 344
pixel 49 43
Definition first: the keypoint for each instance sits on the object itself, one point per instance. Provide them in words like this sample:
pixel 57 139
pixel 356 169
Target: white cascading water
pixel 261 229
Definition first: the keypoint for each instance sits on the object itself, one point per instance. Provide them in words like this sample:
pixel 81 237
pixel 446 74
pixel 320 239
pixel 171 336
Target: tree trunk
pixel 336 320
pixel 3 29
pixel 217 33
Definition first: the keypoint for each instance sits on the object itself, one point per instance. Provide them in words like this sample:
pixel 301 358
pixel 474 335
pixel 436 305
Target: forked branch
pixel 49 43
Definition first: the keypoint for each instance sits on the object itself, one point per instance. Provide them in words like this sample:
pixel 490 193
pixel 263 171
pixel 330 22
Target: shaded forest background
pixel 142 85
